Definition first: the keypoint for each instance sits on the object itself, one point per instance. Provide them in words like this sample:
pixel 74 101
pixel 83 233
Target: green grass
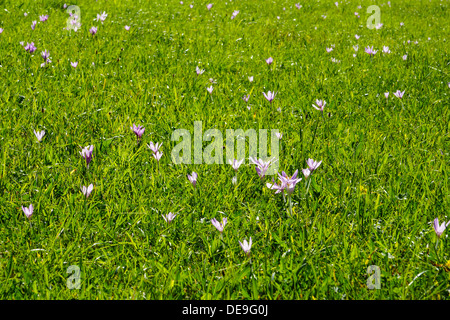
pixel 383 180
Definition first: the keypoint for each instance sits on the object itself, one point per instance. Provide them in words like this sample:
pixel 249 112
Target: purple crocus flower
pixel 43 18
pixel 45 55
pixel 193 178
pixel 74 64
pixel 261 166
pixel 269 60
pixel 93 30
pixel 246 246
pixel 219 226
pixel 270 95
pixel 157 155
pixel 378 26
pixel 87 190
pixel 28 211
pixel 169 217
pixel 235 13
pixel 320 105
pixel 386 94
pixel 313 165
pixel 357 37
pixel 245 98
pixel 235 164
pixel 329 49
pixel 102 17
pixel 64 6
pixel 210 89
pixel 138 131
pixel 298 5
pixel 199 71
pixel 30 47
pixel 399 94
pixel 370 50
pixel 209 6
pixel 154 147
pixel 386 49
pixel 279 135
pixel 439 229
pixel 250 79
pixel 1 30
pixel 86 153
pixel 39 135
pixel 33 25
pixel 405 57
pixel 306 172
pixel 127 28
pixel 287 183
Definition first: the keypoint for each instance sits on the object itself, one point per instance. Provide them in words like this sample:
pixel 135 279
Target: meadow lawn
pixel 382 181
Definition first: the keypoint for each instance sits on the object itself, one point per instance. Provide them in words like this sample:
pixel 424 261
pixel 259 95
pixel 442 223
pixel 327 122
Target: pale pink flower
pixel 219 226
pixel 270 96
pixel 87 191
pixel 246 246
pixel 320 105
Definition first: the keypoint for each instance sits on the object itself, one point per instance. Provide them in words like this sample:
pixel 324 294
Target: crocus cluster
pixel 75 22
pixel 370 51
pixel 43 18
pixel 312 165
pixel 30 47
pixel 286 183
pixel 155 149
